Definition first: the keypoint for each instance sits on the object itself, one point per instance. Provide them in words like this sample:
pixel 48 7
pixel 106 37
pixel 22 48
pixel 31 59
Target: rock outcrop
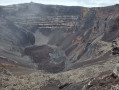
pixel 47 58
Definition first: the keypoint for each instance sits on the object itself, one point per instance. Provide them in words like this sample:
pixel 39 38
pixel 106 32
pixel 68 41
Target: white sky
pixel 85 3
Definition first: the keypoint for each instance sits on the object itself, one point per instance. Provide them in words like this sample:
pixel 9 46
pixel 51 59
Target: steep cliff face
pixel 84 34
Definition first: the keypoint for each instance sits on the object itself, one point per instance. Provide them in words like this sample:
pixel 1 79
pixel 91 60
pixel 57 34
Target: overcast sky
pixel 85 3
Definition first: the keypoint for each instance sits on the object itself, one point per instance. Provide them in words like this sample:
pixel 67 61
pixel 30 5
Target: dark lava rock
pixel 47 58
pixel 105 81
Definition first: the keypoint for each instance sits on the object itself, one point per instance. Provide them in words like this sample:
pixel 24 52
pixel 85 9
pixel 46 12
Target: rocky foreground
pixel 86 78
